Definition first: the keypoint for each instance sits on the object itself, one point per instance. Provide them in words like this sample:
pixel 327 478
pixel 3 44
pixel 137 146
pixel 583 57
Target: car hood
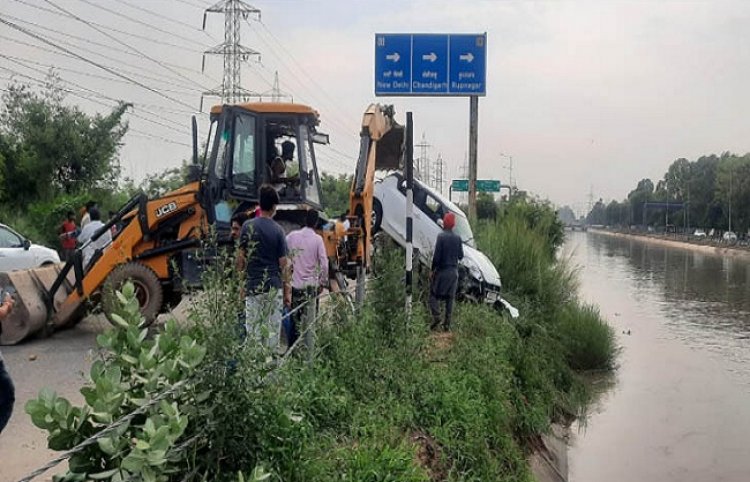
pixel 489 273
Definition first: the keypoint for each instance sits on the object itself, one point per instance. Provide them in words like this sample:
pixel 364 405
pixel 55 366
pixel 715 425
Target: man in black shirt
pixel 444 273
pixel 263 255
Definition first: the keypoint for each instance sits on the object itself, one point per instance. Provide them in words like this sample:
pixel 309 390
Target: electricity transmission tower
pixel 231 90
pixel 439 173
pixel 423 162
pixel 276 94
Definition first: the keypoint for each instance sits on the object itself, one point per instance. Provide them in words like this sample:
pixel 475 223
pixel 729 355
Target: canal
pixel 678 408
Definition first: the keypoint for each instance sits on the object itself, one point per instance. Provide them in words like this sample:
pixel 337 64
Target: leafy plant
pixel 137 401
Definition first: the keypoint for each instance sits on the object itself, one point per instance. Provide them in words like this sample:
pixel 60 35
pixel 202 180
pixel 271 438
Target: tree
pixel 335 192
pixel 643 193
pixel 54 157
pixel 51 149
pixel 566 215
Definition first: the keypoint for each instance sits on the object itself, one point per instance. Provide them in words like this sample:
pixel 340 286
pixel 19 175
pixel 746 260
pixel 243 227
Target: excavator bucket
pixel 390 151
pixel 30 313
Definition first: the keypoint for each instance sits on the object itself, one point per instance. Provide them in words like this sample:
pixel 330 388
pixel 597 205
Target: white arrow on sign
pixel 394 56
pixel 468 57
pixel 432 57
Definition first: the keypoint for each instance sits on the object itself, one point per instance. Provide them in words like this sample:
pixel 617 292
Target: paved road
pixel 60 363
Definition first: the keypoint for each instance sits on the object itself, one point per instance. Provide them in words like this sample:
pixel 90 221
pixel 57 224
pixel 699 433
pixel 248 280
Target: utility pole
pixel 730 198
pixel 231 90
pixel 473 145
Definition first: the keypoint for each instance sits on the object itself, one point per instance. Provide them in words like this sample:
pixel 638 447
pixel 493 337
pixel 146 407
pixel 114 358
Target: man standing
pixel 263 254
pixel 88 232
pixel 86 218
pixel 238 219
pixel 309 276
pixel 7 390
pixel 68 236
pixel 444 273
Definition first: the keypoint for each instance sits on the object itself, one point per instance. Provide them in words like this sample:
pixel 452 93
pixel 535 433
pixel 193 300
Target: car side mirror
pixel 440 223
pixel 26 244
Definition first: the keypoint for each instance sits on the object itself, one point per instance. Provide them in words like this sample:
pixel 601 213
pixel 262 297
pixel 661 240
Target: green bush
pixel 588 340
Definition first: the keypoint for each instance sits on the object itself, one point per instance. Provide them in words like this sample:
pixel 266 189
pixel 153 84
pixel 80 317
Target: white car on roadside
pixel 17 252
pixel 479 280
pixel 699 233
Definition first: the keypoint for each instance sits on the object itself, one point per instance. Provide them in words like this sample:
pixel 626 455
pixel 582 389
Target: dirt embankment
pixel 699 246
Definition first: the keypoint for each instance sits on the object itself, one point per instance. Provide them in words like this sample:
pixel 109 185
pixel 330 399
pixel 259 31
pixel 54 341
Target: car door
pixel 431 211
pixel 12 253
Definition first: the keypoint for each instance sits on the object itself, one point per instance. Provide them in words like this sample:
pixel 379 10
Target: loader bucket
pixel 390 150
pixel 30 314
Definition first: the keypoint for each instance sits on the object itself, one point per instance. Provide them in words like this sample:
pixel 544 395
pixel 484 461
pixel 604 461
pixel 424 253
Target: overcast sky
pixel 583 95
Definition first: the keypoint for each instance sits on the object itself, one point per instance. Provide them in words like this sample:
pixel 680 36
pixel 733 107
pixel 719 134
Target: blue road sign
pixel 393 64
pixel 429 60
pixel 430 64
pixel 468 59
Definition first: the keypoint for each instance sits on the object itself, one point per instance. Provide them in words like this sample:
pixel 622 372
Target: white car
pixel 729 237
pixel 699 233
pixel 17 252
pixel 479 279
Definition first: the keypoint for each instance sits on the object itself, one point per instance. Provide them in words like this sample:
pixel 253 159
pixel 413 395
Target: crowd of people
pixel 73 236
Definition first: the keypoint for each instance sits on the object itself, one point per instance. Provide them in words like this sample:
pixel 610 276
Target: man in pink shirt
pixel 309 275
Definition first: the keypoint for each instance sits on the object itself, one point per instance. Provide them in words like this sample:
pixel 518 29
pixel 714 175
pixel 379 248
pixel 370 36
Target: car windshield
pixel 463 229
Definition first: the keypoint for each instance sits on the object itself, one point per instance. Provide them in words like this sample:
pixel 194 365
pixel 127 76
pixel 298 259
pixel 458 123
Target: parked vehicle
pixel 17 252
pixel 729 237
pixel 699 233
pixel 478 278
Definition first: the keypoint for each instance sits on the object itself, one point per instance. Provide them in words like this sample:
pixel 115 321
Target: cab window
pixel 243 155
pixel 307 165
pixel 433 208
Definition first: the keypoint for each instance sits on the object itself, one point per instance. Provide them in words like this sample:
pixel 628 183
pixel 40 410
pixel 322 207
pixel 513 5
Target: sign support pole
pixel 473 141
pixel 409 207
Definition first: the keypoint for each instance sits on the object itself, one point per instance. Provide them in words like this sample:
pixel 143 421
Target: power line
pixel 135 20
pixel 301 69
pixel 92 62
pixel 100 44
pixel 163 79
pixel 96 95
pixel 164 17
pixel 123 32
pixel 106 34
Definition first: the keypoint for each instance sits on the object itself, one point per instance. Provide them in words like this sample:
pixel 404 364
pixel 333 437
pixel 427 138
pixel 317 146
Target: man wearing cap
pixel 444 273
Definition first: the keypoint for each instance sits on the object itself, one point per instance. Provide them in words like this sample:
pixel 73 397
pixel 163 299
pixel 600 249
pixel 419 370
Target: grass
pixel 386 400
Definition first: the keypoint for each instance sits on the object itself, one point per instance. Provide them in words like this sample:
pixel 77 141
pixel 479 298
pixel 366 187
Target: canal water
pixel 678 408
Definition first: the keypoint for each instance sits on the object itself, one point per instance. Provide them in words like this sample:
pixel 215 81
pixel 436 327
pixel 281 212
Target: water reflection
pixel 705 297
pixel 680 407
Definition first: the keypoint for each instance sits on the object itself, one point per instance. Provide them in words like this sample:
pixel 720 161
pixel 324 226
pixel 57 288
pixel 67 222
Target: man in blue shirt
pixel 263 255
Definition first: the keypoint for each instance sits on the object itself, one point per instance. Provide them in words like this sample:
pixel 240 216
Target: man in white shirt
pixel 88 231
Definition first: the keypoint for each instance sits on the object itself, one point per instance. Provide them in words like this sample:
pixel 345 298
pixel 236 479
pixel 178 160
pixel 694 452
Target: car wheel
pixel 148 290
pixel 377 215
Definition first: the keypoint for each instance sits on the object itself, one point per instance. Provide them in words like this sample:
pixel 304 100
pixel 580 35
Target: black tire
pixel 377 215
pixel 148 290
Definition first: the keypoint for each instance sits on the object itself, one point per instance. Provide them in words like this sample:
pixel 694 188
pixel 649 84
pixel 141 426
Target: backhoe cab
pixel 261 143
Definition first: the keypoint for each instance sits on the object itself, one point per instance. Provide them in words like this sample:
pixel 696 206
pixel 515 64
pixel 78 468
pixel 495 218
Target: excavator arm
pixel 381 148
